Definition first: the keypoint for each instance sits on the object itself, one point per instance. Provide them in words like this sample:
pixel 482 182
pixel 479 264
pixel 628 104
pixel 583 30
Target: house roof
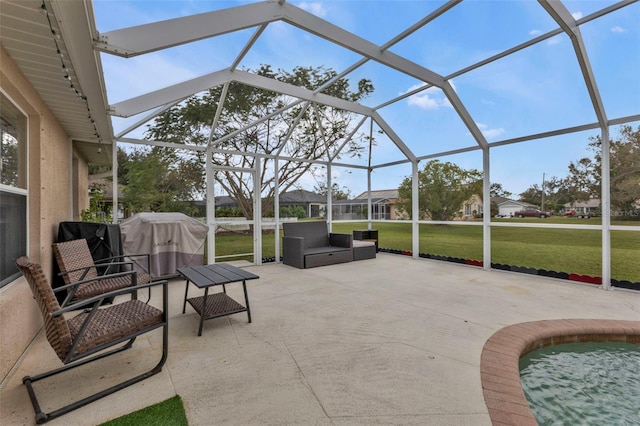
pixel 499 200
pixel 519 203
pixel 360 201
pixel 380 193
pixel 592 202
pixel 302 196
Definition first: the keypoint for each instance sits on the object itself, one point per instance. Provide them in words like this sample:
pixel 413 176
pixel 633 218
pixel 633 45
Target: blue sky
pixel 535 90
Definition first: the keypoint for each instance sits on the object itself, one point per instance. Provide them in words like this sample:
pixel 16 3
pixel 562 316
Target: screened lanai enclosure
pixel 535 97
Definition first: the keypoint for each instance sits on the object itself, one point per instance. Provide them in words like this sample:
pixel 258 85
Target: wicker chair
pixel 76 264
pixel 87 336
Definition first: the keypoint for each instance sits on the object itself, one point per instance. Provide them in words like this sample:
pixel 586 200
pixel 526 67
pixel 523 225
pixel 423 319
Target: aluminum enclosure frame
pixel 134 41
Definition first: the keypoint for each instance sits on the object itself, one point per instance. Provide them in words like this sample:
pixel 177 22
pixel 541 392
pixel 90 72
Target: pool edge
pixel 499 362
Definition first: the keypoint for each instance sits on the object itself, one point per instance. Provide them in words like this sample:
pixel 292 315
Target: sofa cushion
pixel 326 249
pixel 315 234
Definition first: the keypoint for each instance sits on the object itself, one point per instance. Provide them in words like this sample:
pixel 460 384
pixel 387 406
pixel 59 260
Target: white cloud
pixel 315 7
pixel 535 32
pixel 618 29
pixel 140 75
pixel 490 133
pixel 554 40
pixel 431 98
pixel 576 15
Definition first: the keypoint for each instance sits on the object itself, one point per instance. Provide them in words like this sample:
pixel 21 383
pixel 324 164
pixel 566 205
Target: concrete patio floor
pixel 391 341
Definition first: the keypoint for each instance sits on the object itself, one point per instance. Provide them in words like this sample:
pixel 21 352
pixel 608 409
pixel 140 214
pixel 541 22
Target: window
pixel 13 188
pixel 467 209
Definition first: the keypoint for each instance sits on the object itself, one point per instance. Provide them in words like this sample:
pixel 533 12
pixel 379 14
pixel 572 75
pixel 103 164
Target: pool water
pixel 583 383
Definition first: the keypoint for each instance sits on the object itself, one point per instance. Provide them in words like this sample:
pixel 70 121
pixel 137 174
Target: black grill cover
pixel 103 239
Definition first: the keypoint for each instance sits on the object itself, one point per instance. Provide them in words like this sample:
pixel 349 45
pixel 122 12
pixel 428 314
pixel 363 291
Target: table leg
pixel 246 299
pixel 184 304
pixel 204 310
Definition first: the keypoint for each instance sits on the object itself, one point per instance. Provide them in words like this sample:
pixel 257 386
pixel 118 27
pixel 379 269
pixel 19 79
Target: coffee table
pixel 217 304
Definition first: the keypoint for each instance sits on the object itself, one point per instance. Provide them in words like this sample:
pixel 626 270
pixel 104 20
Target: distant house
pixel 107 198
pixel 471 209
pixel 590 206
pixel 507 207
pixel 383 206
pixel 314 205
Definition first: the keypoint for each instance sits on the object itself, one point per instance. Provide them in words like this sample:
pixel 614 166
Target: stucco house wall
pixel 50 176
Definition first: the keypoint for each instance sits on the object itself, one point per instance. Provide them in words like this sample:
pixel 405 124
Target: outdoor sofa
pixel 310 244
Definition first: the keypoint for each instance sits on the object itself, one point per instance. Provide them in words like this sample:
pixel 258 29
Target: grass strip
pixel 165 413
pixel 564 250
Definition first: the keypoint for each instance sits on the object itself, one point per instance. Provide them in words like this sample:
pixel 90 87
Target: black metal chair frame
pixel 72 360
pixel 107 268
pixel 71 288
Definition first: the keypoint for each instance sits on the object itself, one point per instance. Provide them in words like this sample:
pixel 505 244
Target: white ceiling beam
pixel 403 96
pixel 393 136
pixel 216 117
pixel 248 46
pixel 133 106
pixel 421 23
pixel 218 141
pixel 147 38
pixel 464 115
pixel 146 118
pixel 135 141
pixel 140 39
pixel 328 31
pixel 292 128
pixel 569 25
pixel 169 94
pixel 348 138
pixel 266 83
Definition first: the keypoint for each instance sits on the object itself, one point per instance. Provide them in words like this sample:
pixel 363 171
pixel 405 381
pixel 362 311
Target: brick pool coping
pixel 500 372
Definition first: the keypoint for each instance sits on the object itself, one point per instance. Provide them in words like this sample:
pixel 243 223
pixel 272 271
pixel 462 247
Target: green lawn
pixel 566 250
pixel 166 413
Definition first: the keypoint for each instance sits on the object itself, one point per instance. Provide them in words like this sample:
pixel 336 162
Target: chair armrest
pixel 293 251
pixel 144 264
pixel 87 268
pixel 341 240
pixel 74 286
pixel 96 301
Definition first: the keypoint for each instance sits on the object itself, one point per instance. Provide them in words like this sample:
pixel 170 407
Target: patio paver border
pixel 500 372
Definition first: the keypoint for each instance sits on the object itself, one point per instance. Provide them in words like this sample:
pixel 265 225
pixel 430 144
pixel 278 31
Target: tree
pixel 532 195
pixel 585 175
pixel 337 193
pixel 553 195
pixel 318 134
pixel 154 181
pixel 582 182
pixel 496 190
pixel 624 160
pixel 443 188
pixel 98 210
